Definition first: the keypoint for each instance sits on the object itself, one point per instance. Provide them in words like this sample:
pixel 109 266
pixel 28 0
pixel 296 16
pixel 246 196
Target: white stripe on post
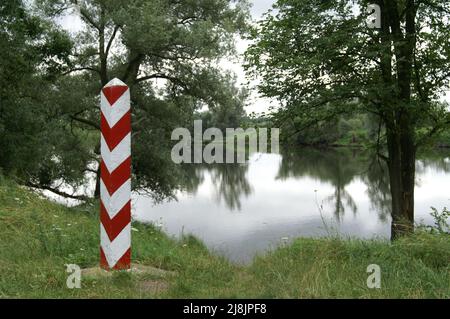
pixel 115 184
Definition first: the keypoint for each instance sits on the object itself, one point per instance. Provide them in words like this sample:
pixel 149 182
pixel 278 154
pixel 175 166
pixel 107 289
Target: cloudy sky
pixel 255 103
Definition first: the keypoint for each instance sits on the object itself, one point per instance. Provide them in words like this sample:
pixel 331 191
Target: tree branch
pixel 435 130
pixel 84 121
pixel 84 14
pixel 162 76
pixel 87 68
pixel 108 47
pixel 57 192
pixel 133 65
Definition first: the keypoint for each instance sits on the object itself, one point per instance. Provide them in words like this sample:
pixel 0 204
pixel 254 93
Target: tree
pixel 228 109
pixel 30 45
pixel 321 60
pixel 165 50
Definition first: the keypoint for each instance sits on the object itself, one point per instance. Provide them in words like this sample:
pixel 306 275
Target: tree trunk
pixel 401 164
pixel 400 127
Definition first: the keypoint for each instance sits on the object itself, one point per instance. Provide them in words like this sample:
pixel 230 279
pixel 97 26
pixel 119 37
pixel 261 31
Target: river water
pixel 242 210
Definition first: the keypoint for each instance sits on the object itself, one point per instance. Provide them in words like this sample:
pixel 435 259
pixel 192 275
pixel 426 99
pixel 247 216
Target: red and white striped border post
pixel 115 183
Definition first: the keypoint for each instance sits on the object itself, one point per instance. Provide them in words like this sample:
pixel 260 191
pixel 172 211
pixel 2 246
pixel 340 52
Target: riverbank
pixel 38 237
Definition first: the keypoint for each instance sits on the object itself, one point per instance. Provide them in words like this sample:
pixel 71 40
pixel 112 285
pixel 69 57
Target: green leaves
pixel 165 50
pixel 319 58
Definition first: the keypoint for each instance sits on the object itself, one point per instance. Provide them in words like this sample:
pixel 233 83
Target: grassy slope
pixel 38 237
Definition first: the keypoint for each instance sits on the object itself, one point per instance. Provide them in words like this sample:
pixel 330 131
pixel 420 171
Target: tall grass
pixel 38 237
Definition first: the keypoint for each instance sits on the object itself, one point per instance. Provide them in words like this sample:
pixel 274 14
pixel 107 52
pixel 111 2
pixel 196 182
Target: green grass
pixel 38 237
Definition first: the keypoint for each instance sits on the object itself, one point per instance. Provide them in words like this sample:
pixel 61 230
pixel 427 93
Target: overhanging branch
pixel 172 79
pixel 57 191
pixel 84 121
pixel 81 69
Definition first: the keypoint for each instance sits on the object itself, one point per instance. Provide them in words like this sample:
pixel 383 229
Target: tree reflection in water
pixel 229 180
pixel 337 167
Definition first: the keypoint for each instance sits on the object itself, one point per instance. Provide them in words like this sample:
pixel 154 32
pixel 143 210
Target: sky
pixel 255 103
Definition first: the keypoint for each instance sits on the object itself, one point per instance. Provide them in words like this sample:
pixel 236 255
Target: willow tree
pixel 30 46
pixel 166 51
pixel 322 60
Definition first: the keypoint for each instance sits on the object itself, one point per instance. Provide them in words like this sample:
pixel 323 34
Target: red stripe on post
pixel 122 264
pixel 115 179
pixel 114 92
pixel 114 135
pixel 114 226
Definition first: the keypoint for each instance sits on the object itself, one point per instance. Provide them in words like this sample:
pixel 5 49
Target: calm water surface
pixel 243 210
